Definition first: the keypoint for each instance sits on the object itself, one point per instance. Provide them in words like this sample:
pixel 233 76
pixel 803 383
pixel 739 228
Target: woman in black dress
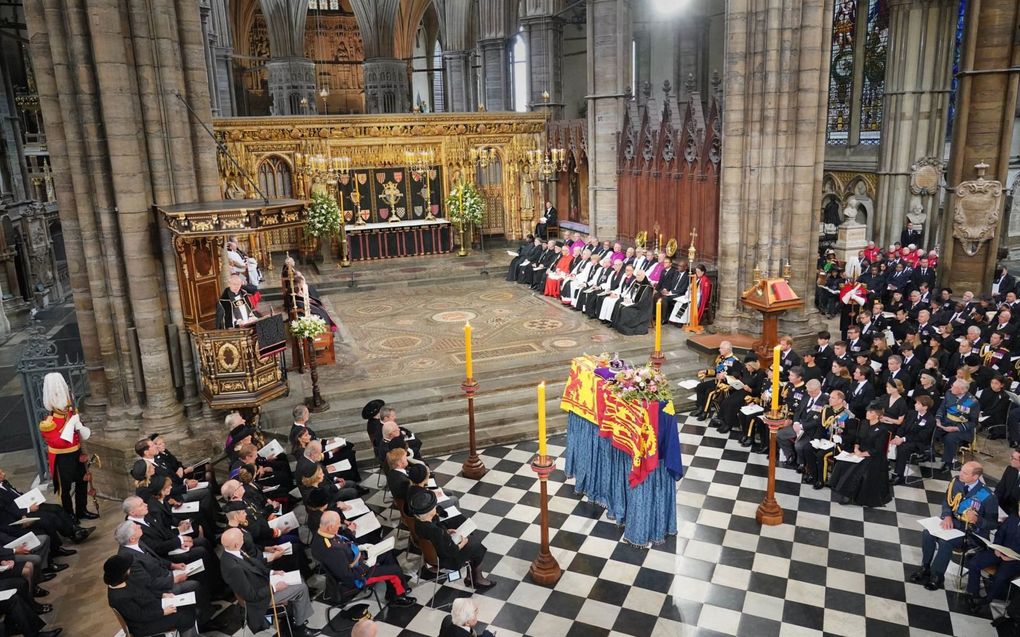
pixel 894 404
pixel 866 482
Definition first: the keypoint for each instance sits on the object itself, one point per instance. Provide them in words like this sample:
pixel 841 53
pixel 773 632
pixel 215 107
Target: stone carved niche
pixel 976 210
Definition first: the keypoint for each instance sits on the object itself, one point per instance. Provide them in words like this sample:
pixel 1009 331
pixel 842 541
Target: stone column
pixel 986 98
pixel 544 34
pixel 292 86
pixel 5 325
pixel 497 92
pixel 291 75
pixel 218 56
pixel 775 74
pixel 497 23
pixel 691 56
pixel 459 80
pixel 916 103
pixel 386 88
pixel 609 56
pixel 109 72
pixel 10 130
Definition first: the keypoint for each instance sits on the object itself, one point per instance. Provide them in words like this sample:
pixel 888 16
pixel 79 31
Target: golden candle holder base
pixel 430 216
pixel 769 512
pixel 545 570
pixel 473 467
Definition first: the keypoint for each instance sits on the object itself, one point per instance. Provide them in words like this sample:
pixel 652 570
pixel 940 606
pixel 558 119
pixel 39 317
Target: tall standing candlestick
pixel 775 379
pixel 657 357
pixel 541 420
pixel 467 351
pixel 658 325
pixel 473 467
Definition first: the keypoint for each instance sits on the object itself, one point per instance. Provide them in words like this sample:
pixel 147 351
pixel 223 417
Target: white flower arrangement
pixel 464 204
pixel 323 216
pixel 307 326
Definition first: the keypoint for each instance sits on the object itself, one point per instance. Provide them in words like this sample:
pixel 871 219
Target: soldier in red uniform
pixel 63 432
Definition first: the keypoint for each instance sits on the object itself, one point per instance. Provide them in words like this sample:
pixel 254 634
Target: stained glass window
pixel 841 71
pixel 876 46
pixel 956 69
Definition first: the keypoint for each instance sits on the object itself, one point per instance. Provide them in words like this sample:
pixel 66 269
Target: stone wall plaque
pixel 925 176
pixel 976 210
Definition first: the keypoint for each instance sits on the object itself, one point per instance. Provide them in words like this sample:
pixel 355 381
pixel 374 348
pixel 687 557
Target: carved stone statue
pixel 527 193
pixel 916 215
pixel 850 212
pixel 234 189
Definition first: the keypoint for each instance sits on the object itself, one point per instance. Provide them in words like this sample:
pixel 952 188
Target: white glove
pixel 84 432
pixel 837 439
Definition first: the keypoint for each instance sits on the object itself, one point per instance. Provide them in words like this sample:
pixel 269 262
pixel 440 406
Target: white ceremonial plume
pixel 56 394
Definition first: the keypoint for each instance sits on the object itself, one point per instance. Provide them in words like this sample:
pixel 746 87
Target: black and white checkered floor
pixel 828 570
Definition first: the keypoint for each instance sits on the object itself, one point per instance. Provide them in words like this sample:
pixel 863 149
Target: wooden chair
pixel 281 616
pixel 127 633
pixel 552 230
pixel 430 558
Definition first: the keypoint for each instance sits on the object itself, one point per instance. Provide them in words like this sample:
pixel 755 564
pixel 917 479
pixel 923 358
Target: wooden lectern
pixel 771 297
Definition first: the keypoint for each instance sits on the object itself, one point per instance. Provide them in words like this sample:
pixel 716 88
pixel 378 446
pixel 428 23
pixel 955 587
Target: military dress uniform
pixel 340 557
pixel 959 412
pixel 790 398
pixel 710 389
pixel 66 467
pixel 750 393
pixel 834 423
pixel 960 499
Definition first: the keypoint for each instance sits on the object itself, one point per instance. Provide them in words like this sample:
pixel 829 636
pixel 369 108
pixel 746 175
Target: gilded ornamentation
pixel 228 357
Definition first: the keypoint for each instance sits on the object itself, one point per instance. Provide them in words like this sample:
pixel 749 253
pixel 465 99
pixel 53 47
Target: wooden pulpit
pixel 771 297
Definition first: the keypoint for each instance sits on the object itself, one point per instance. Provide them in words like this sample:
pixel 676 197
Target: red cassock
pixel 704 295
pixel 50 429
pixel 552 286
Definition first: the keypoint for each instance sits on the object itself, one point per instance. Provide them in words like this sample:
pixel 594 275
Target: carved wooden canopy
pixel 242 216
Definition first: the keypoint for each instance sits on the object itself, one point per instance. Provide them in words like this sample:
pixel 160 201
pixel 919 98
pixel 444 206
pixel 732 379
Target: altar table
pixel 603 440
pixel 416 238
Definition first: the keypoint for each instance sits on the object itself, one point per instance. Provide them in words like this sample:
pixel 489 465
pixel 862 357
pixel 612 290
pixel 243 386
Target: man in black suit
pixel 547 219
pixel 910 235
pixel 141 608
pixel 788 359
pixel 923 274
pixel 863 391
pixel 53 520
pixel 248 578
pixel 1008 489
pixel 343 452
pixel 150 571
pixel 805 425
pixel 396 477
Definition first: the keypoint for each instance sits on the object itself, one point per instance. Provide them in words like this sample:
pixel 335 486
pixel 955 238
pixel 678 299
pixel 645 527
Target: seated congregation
pixel 619 288
pixel 189 543
pixel 855 420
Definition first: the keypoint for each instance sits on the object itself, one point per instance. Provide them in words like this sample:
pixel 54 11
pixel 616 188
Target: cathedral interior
pixel 139 138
